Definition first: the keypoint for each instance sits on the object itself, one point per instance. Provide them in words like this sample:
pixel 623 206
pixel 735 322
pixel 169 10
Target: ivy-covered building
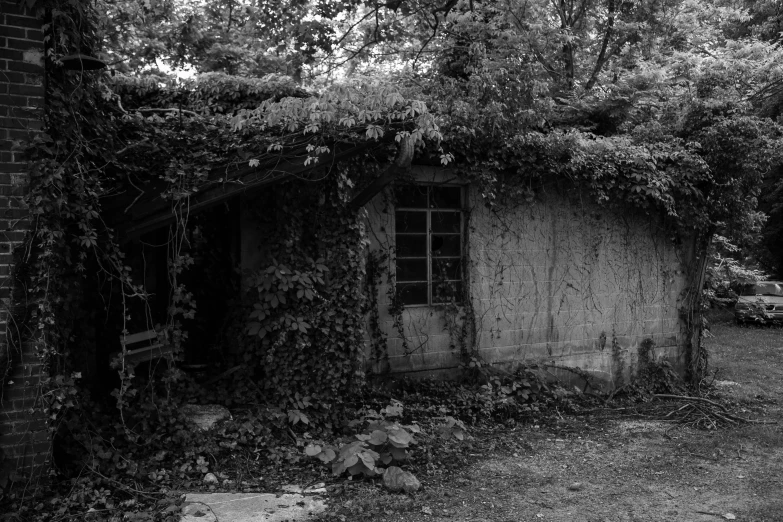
pixel 441 280
pixel 557 281
pixel 306 263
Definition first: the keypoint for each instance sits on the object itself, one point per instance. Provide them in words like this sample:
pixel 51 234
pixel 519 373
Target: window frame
pixel 428 234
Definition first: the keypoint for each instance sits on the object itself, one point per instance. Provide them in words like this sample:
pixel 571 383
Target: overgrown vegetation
pixel 693 150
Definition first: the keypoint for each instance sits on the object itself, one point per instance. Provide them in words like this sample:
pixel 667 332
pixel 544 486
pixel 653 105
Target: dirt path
pixel 590 469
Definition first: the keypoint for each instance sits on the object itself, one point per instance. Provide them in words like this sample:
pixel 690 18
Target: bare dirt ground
pixel 616 468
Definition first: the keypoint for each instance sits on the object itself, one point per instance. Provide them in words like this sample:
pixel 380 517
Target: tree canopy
pixel 684 95
pixel 591 78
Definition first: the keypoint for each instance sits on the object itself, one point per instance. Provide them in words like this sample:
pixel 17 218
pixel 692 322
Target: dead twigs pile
pixel 699 412
pixel 696 412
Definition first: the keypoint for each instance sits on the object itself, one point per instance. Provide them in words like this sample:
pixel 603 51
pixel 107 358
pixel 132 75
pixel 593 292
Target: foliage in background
pixel 205 94
pixel 727 273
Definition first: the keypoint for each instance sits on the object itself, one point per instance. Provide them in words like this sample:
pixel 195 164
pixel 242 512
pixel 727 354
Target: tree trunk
pixel 602 56
pixel 566 24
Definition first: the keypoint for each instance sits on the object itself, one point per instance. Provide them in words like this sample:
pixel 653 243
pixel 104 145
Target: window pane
pixel 411 269
pixel 445 245
pixel 445 222
pixel 446 292
pixel 407 221
pixel 446 268
pixel 445 197
pixel 412 293
pixel 411 245
pixel 412 196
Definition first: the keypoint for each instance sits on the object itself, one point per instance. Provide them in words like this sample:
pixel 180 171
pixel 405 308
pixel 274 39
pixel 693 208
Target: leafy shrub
pixel 381 441
pixel 727 271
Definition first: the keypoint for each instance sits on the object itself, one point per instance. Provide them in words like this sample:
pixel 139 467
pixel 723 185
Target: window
pixel 428 237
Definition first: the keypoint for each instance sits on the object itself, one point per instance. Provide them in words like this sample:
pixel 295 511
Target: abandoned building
pixel 558 281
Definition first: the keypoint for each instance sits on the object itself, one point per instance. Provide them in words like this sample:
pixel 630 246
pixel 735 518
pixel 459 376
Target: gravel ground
pixel 611 467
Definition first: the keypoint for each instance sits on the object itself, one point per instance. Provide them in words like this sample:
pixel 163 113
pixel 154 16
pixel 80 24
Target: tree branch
pixel 522 26
pixel 602 56
pixel 580 12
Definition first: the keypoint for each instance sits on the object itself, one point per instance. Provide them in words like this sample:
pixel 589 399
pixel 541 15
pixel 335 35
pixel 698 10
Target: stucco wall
pixel 558 281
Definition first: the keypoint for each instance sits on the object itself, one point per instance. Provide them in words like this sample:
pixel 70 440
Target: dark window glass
pixel 411 269
pixel 411 245
pixel 429 263
pixel 445 245
pixel 411 196
pixel 445 197
pixel 446 268
pixel 445 222
pixel 446 292
pixel 410 221
pixel 412 293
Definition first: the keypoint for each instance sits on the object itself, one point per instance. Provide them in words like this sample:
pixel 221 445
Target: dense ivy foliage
pixel 69 252
pixel 307 323
pixel 115 144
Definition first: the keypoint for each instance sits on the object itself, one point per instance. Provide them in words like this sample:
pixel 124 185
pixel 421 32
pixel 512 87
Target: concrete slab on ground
pixel 250 507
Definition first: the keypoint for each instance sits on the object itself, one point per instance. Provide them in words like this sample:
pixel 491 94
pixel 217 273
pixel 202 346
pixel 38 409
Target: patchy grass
pixel 751 356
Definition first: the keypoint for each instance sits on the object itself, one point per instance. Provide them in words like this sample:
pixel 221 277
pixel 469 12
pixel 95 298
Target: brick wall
pixel 556 281
pixel 24 440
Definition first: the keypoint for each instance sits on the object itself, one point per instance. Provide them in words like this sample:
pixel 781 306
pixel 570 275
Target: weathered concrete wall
pixel 557 281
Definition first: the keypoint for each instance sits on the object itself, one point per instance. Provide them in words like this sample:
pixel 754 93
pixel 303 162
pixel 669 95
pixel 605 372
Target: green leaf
pixel 359 467
pixel 398 454
pixel 327 455
pixel 377 438
pixel 367 459
pixel 338 467
pixel 351 460
pixel 312 450
pixel 351 449
pixel 400 438
pixel 253 328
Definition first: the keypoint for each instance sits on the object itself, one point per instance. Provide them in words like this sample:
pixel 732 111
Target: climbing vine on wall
pixel 308 300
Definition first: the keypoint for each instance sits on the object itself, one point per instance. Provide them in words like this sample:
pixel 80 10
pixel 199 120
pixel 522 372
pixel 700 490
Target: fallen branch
pixel 708 416
pixel 687 398
pixel 751 421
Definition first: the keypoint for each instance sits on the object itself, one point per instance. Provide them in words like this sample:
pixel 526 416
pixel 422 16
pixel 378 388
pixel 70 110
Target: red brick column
pixel 25 444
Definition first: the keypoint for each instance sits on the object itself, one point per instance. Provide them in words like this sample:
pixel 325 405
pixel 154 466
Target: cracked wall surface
pixel 558 281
